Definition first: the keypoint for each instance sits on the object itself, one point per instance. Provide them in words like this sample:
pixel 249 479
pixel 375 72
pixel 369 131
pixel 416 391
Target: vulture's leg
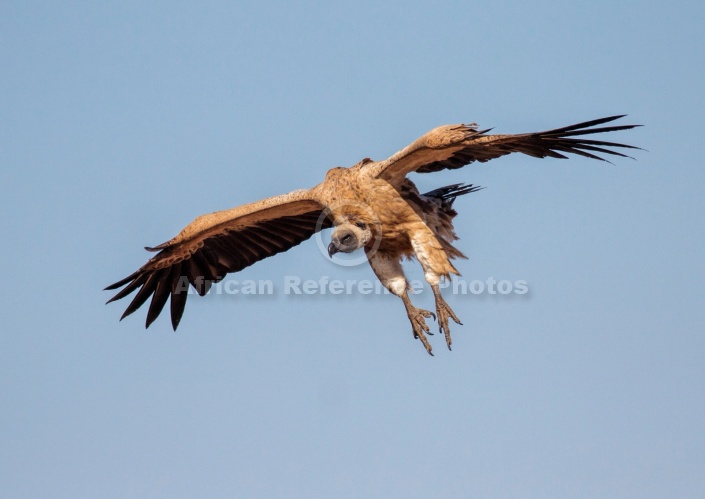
pixel 444 311
pixel 435 263
pixel 391 275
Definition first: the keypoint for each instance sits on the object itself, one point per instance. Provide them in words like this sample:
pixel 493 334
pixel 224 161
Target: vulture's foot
pixel 444 312
pixel 418 317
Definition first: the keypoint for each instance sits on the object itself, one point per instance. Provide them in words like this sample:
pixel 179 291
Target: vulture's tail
pixel 450 192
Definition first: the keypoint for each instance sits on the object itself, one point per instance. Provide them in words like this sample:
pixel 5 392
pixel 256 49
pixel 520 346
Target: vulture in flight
pixel 371 206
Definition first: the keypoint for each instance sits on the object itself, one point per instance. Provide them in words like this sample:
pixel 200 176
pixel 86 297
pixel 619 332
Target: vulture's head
pixel 350 235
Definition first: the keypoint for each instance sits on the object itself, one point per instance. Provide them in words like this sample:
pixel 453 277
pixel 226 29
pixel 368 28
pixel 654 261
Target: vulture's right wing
pixel 216 244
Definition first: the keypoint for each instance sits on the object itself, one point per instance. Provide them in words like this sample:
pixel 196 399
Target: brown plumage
pixel 371 205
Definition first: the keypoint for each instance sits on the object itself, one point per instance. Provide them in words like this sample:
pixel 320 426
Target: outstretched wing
pixel 454 146
pixel 216 244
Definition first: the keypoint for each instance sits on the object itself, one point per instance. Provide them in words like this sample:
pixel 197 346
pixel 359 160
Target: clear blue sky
pixel 122 121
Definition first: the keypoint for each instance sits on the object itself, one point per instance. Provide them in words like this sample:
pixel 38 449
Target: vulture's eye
pixel 360 224
pixel 346 239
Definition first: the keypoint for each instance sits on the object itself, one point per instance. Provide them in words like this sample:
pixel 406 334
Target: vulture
pixel 372 206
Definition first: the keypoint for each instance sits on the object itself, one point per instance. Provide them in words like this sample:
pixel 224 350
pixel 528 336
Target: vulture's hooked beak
pixel 332 249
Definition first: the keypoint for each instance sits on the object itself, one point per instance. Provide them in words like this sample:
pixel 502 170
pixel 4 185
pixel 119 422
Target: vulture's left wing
pixel 216 244
pixel 454 146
